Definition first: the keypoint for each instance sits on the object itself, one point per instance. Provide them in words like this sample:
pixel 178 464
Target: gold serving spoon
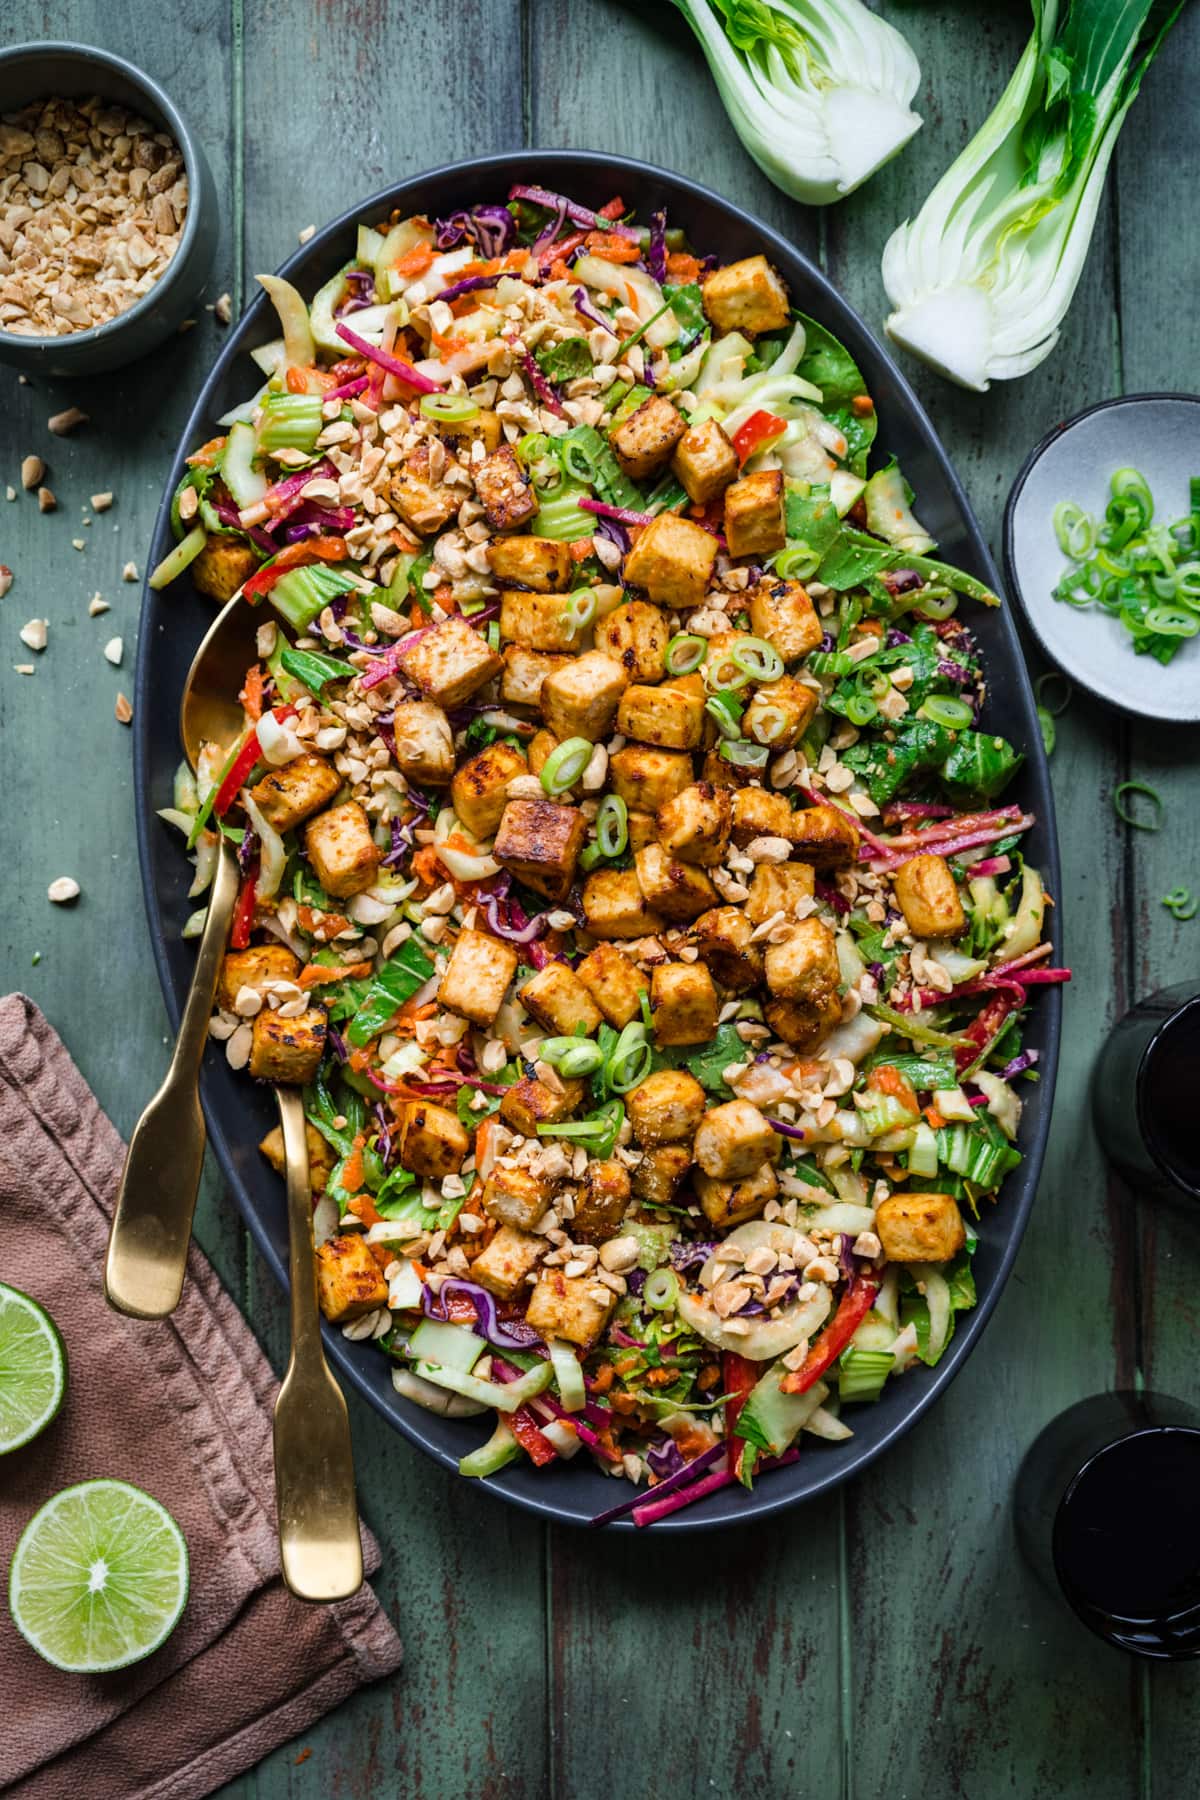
pixel 319 1540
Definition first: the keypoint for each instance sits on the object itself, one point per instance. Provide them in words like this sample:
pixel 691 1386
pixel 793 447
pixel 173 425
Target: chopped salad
pixel 628 877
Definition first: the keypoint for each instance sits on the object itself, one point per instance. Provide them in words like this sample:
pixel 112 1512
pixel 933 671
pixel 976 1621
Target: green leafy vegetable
pixel 844 398
pixel 313 669
pixel 397 981
pixel 565 361
pixel 980 766
pixel 707 1062
pixel 686 304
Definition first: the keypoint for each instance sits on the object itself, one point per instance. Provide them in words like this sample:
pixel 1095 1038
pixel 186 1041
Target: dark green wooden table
pixel 888 1640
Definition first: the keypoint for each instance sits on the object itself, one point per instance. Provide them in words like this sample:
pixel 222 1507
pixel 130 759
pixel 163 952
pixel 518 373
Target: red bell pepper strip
pixel 243 762
pixel 534 1442
pixel 756 431
pixel 986 1026
pixel 853 1308
pixel 243 912
pixel 293 556
pixel 739 1377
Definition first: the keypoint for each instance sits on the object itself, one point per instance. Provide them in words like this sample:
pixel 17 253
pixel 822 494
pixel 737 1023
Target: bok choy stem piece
pixel 980 281
pixel 819 91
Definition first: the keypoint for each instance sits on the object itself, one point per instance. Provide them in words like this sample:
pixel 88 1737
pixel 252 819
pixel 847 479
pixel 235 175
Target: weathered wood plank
pixel 70 808
pixel 1159 345
pixel 340 102
pixel 1001 1691
pixel 750 1621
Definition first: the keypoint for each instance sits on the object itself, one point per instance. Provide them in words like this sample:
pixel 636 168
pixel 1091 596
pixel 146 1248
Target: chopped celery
pixel 290 422
pixel 500 1449
pixel 246 483
pixel 862 1373
pixel 301 594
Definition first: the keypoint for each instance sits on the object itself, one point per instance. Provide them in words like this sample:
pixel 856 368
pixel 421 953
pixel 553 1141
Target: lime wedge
pixel 33 1369
pixel 99 1577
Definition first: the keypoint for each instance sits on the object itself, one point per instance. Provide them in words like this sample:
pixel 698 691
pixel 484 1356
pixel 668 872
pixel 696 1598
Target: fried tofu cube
pixel 349 1280
pixel 254 968
pixel 424 742
pixel 614 906
pixel 694 826
pixel 289 795
pixel 643 442
pixel 754 521
pixel 670 716
pixel 722 773
pixel 646 778
pixel 636 636
pixel 581 700
pixel 614 982
pixel 477 976
pixel 779 888
pixel 729 1203
pixel 780 713
pixel 509 1258
pixel 602 1202
pixel 722 938
pixel 673 560
pixel 287 1050
pixel 530 1103
pixel 537 621
pixel 660 1174
pixel 339 845
pixel 542 564
pixel 424 505
pixel 746 296
pixel 734 1141
pixel 320 1156
pixel 666 1108
pixel 927 895
pixel 432 1140
pixel 570 1307
pixel 705 461
pixel 540 841
pixel 524 672
pixel 479 791
pixel 683 1002
pixel 825 836
pixel 919 1227
pixel 222 566
pixel 805 965
pixel 757 812
pixel 514 1197
pixel 782 612
pixel 557 999
pixel 643 830
pixel 451 662
pixel 505 491
pixel 679 891
pixel 485 427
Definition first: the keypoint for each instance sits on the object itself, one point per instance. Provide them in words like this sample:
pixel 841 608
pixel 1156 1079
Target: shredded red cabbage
pixel 513 1334
pixel 686 1256
pixel 587 310
pixel 394 365
pixel 615 532
pixel 501 927
pixel 337 1043
pixel 491 228
pixel 348 389
pixel 829 895
pixel 671 1485
pixel 247 850
pixel 622 514
pixel 384 1126
pixel 310 520
pixel 664 1458
pixel 579 215
pixel 468 285
pixel 545 238
pixel 389 663
pixel 786 1131
pixel 1019 1064
pixel 545 390
pixel 902 581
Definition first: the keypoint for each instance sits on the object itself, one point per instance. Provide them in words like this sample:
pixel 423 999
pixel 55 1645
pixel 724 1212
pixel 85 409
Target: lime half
pixel 33 1368
pixel 99 1577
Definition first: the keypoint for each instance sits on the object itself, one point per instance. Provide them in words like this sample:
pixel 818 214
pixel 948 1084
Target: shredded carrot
pixel 296 380
pixel 580 548
pixel 444 594
pixel 352 1169
pixel 425 865
pixel 862 406
pixel 251 695
pixel 682 268
pixel 559 270
pixel 317 974
pixel 449 346
pixel 414 261
pixel 661 1377
pixel 934 1118
pixel 328 925
pixel 603 1379
pixel 626 1366
pixel 207 454
pixel 887 1080
pixel 613 249
pixel 359 1060
pixel 622 1403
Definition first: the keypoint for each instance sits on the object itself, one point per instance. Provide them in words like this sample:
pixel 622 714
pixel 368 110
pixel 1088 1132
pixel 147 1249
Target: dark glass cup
pixel 1107 1509
pixel 1146 1094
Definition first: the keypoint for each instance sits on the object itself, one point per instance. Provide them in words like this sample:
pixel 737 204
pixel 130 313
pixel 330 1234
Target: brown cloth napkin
pixel 182 1409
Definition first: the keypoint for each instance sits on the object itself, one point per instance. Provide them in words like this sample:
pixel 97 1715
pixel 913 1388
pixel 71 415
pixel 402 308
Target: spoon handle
pixel 319 1542
pixel 152 1219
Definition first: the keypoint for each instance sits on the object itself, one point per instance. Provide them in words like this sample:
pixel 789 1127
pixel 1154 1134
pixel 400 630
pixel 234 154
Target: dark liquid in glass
pixel 1169 1096
pixel 1126 1542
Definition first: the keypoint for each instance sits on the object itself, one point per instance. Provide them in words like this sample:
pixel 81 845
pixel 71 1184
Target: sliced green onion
pixel 597 1134
pixel 685 652
pixel 861 708
pixel 768 723
pixel 936 604
pixel 612 825
pixel 831 662
pixel 726 710
pixel 1048 730
pixel 1173 621
pixel 1074 529
pixel 797 563
pixel 449 409
pixel 662 1290
pixel 1123 813
pixel 1131 484
pixel 581 609
pixel 1039 690
pixel 565 764
pixel 1187 583
pixel 573 1057
pixel 176 561
pixel 630 1060
pixel 1181 902
pixel 744 755
pixel 950 710
pixel 758 659
pixel 723 676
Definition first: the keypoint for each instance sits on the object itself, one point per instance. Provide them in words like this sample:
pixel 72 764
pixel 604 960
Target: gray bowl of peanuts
pixel 108 211
pixel 239 1110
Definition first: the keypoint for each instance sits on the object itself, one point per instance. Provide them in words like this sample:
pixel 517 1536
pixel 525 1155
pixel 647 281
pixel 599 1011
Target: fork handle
pixel 152 1220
